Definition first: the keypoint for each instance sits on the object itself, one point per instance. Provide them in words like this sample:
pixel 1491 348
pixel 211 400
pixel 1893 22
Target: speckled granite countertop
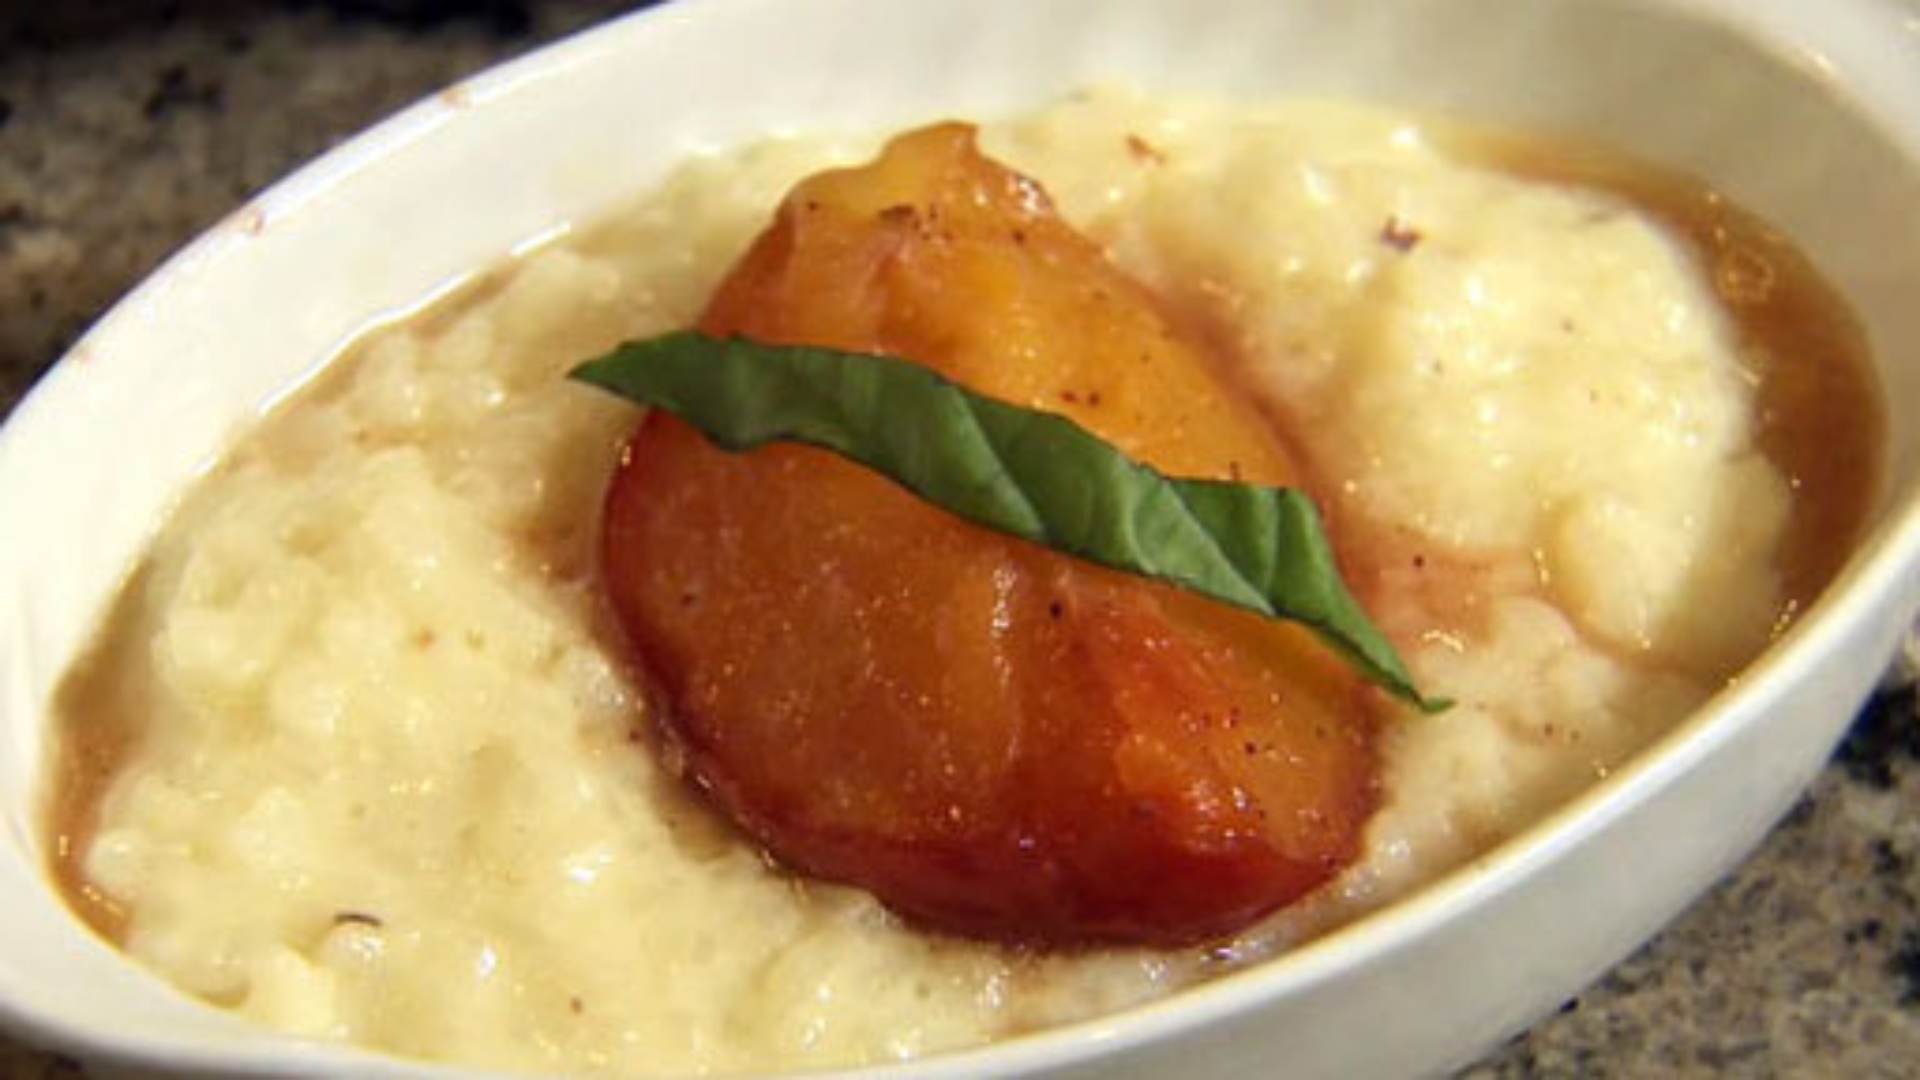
pixel 128 127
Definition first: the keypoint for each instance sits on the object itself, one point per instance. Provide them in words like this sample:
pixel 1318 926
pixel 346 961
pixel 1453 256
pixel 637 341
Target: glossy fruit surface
pixel 994 739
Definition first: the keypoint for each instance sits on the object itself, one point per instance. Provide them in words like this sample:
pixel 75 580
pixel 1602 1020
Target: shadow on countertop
pixel 46 26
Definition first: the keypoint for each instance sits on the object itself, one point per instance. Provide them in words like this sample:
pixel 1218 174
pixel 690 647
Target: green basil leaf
pixel 1033 475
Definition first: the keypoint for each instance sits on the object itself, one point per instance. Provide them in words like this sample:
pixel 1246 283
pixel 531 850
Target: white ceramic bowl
pixel 1809 113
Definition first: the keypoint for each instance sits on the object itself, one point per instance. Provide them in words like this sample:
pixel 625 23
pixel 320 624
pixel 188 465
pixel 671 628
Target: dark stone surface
pixel 126 128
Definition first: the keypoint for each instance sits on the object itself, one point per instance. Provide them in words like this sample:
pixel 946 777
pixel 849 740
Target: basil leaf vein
pixel 1029 474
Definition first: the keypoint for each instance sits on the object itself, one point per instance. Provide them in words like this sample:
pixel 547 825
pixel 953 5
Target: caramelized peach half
pixel 993 738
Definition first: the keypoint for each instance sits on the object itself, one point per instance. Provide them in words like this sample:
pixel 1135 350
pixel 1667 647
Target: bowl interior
pixel 1811 119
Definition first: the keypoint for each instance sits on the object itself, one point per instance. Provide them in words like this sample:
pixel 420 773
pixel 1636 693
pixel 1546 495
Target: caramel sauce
pixel 97 725
pixel 1820 420
pixel 1819 416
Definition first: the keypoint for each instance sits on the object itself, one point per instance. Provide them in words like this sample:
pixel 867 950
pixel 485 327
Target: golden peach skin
pixel 995 739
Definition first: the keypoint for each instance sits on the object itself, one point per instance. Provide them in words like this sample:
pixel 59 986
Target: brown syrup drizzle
pixel 1820 416
pixel 1821 421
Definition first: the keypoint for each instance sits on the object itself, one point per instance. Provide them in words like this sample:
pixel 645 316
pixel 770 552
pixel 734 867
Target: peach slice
pixel 994 739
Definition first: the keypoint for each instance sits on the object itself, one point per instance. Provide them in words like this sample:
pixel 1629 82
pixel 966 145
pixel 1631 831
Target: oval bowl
pixel 1808 115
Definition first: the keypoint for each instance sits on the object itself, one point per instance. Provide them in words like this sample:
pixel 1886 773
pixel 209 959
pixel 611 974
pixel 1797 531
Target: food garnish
pixel 994 738
pixel 1022 472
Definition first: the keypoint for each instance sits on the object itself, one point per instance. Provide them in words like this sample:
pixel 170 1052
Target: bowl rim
pixel 1881 563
